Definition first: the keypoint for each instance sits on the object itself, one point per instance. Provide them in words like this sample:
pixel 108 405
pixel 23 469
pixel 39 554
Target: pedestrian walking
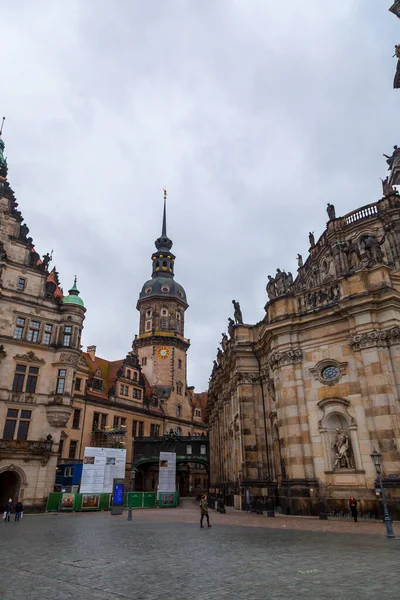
pixel 7 510
pixel 204 511
pixel 18 510
pixel 353 508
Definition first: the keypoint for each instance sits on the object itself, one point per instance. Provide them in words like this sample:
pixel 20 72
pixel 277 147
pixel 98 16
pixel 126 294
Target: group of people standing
pixel 8 509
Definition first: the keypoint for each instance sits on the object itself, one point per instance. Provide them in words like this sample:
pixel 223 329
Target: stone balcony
pixel 26 449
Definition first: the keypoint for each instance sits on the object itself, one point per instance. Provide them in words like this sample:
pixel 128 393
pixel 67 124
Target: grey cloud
pixel 253 114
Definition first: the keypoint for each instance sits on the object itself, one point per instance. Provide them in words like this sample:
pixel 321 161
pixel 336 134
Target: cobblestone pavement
pixel 163 554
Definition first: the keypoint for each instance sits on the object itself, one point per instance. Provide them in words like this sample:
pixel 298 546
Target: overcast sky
pixel 253 113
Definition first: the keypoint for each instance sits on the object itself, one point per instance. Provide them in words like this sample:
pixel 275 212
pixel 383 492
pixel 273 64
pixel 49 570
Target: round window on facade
pixel 165 289
pixel 329 373
pixel 148 290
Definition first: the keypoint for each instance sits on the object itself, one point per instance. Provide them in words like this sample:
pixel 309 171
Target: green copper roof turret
pixel 73 296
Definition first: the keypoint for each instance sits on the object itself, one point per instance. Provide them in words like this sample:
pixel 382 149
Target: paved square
pixel 165 554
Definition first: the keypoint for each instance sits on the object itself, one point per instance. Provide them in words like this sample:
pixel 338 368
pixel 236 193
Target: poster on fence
pixel 167 472
pixel 100 467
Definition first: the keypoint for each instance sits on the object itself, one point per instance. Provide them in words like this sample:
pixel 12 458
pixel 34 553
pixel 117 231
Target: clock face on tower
pixel 163 352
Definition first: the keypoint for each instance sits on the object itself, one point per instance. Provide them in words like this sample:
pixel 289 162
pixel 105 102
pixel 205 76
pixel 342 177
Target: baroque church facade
pixel 298 402
pixel 56 399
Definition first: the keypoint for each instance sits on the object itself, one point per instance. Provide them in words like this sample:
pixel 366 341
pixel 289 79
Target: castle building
pixel 55 399
pixel 298 402
pixel 40 332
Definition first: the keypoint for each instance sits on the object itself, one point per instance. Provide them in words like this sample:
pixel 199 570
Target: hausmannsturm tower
pixel 161 345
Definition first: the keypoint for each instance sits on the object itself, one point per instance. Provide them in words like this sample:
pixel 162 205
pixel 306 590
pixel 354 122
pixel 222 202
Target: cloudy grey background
pixel 253 113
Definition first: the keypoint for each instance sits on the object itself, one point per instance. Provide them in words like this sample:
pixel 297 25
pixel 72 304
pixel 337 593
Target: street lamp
pixel 376 459
pixel 133 473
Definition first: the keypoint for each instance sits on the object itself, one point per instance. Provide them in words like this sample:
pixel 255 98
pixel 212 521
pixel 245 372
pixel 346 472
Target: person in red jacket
pixel 353 508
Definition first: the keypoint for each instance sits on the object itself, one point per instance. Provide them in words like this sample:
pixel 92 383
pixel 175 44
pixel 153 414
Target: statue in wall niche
pixel 372 247
pixel 330 209
pixel 237 313
pixel 343 453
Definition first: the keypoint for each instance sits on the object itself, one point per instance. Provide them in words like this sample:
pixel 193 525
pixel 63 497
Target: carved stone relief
pixel 286 357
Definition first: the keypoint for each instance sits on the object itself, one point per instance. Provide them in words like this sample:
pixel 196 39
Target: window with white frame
pixel 62 374
pixel 67 336
pixel 33 331
pixel 19 328
pixel 147 325
pixel 21 284
pixel 48 330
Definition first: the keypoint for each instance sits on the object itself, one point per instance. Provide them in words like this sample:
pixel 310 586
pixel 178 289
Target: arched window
pixel 188 449
pixel 157 264
pixel 202 449
pixel 134 376
pixel 165 264
pixel 178 410
pixel 128 373
pixel 178 430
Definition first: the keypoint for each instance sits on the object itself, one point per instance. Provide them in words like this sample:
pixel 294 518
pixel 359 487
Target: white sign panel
pixel 100 467
pixel 167 472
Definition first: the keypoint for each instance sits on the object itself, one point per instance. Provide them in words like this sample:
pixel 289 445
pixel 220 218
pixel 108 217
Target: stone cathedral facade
pixel 298 402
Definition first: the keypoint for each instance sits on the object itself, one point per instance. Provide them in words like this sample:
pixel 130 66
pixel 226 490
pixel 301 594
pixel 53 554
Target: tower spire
pixel 164 224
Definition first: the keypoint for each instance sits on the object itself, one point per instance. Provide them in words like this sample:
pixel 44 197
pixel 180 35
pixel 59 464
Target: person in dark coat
pixel 8 509
pixel 353 508
pixel 18 510
pixel 204 511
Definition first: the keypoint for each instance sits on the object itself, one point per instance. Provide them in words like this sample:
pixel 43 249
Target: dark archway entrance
pixel 10 485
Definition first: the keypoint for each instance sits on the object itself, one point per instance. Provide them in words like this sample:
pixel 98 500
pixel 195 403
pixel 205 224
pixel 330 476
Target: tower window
pixel 21 284
pixel 144 361
pixel 147 325
pixel 163 323
pixel 179 363
pixel 178 316
pixel 165 289
pixel 157 264
pixel 67 336
pixel 164 312
pixel 148 313
pixel 128 374
pixel 179 390
pixel 178 410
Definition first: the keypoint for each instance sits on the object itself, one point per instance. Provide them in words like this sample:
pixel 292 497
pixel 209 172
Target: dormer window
pixel 148 290
pixel 97 385
pixel 165 288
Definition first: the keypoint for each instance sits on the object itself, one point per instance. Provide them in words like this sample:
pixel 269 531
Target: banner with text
pixel 167 472
pixel 100 467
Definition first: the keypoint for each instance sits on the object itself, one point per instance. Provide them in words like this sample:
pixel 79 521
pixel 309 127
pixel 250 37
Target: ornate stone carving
pixel 82 362
pixel 71 359
pixel 29 357
pixel 248 378
pixel 375 338
pixel 286 357
pixel 57 414
pixel 280 285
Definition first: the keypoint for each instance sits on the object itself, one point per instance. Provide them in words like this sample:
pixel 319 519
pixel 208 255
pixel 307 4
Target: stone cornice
pixel 375 338
pixel 286 357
